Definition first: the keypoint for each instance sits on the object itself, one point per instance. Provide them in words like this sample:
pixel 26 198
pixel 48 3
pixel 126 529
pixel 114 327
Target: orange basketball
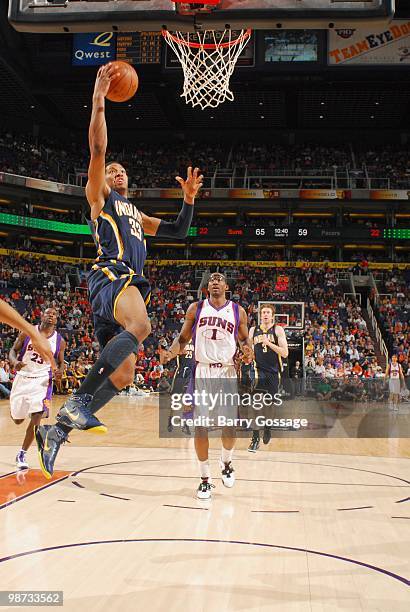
pixel 124 85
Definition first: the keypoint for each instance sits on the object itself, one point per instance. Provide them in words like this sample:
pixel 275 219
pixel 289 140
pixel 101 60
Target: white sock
pixel 204 469
pixel 226 455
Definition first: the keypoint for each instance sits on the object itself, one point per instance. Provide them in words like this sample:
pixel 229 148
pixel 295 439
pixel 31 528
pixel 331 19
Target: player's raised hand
pixel 43 348
pixel 103 79
pixel 191 185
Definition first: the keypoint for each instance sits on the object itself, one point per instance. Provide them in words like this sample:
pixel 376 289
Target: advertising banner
pixel 93 49
pixel 175 193
pixel 212 262
pixel 49 257
pixel 382 45
pixel 389 194
pixel 318 194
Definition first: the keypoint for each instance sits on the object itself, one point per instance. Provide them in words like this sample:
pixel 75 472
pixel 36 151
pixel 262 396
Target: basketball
pixel 125 84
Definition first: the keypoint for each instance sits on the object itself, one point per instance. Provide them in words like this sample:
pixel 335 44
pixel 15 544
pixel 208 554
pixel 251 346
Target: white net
pixel 208 60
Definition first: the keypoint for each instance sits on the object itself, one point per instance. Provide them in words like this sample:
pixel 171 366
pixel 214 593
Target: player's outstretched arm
pixel 184 337
pixel 15 364
pixel 245 341
pixel 60 360
pixel 402 379
pixel 40 343
pixel 97 189
pixel 178 228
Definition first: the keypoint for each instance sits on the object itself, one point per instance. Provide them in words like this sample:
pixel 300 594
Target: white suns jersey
pixel 34 364
pixel 215 332
pixel 394 370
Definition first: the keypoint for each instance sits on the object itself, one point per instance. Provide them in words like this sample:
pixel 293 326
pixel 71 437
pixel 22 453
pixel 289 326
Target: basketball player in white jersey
pixel 215 325
pixel 11 317
pixel 395 377
pixel 32 388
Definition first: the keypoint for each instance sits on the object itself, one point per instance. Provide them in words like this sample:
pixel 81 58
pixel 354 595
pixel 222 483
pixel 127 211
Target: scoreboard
pixel 297 232
pixel 397 233
pixel 95 49
pixel 139 47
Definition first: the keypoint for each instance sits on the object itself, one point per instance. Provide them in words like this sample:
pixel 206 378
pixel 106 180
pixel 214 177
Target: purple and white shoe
pixel 21 460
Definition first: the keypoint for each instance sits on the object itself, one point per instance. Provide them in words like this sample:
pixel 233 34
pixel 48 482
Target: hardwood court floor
pixel 133 422
pixel 120 529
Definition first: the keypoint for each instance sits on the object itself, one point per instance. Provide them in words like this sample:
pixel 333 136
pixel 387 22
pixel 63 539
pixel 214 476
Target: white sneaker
pixel 228 474
pixel 21 461
pixel 204 490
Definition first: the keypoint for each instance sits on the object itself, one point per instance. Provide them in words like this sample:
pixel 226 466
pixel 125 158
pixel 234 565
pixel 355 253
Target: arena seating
pixel 337 341
pixel 393 312
pixel 153 165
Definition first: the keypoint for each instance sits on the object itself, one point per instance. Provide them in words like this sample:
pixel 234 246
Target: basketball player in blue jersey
pixel 184 371
pixel 118 290
pixel 270 346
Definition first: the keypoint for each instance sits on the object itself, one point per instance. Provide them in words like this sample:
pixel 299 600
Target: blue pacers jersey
pixel 118 233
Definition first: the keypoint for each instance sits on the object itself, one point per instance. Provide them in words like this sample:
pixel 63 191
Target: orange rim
pixel 194 45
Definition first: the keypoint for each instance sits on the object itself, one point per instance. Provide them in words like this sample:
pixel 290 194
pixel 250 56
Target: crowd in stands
pixel 337 340
pixel 338 345
pixel 24 156
pixel 148 164
pixel 390 161
pixel 393 311
pixel 152 165
pixel 33 284
pixel 298 158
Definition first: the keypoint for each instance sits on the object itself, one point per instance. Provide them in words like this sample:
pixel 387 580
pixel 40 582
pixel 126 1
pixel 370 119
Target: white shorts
pixel 395 386
pixel 30 395
pixel 217 393
pixel 215 370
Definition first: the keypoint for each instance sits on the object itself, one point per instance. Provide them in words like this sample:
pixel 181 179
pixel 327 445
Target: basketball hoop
pixel 208 59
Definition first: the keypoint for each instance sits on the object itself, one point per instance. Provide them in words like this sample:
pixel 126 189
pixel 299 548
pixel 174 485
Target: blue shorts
pixel 182 377
pixel 266 381
pixel 106 282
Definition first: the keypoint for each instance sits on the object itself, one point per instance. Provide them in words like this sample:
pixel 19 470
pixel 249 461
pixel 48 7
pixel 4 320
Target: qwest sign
pixel 93 49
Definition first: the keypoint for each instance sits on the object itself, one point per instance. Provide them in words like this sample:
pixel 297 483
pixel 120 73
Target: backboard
pixel 143 15
pixel 290 315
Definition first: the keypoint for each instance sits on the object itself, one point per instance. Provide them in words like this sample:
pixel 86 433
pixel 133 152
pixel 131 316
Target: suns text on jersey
pixel 217 322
